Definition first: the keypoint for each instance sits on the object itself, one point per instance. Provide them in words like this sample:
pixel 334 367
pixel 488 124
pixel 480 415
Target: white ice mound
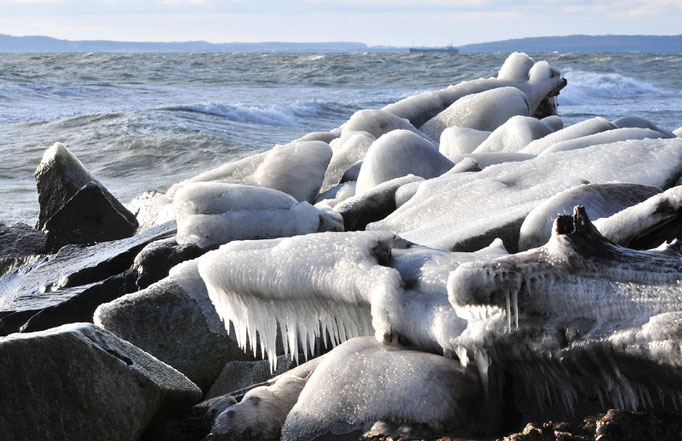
pixel 642 123
pixel 212 213
pixel 348 150
pixel 628 225
pixel 377 123
pixel 307 285
pixel 515 134
pixel 519 71
pixel 460 140
pixel 599 200
pixel 481 111
pixel 363 381
pixel 583 128
pixel 606 137
pixel 465 198
pixel 296 168
pixel 398 154
pixel 487 159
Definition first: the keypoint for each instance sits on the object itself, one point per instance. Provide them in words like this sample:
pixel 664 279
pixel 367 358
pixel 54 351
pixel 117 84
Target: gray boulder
pixel 238 375
pixel 78 382
pixel 175 321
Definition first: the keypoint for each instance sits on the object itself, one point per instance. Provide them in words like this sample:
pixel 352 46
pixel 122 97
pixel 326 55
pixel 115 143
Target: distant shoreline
pixel 570 43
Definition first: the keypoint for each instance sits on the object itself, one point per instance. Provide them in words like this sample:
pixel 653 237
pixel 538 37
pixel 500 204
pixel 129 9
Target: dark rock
pixel 77 382
pixel 21 240
pixel 156 259
pixel 58 177
pixel 91 215
pixel 372 205
pixel 39 284
pixel 237 375
pixel 175 321
pixel 81 307
pixel 351 173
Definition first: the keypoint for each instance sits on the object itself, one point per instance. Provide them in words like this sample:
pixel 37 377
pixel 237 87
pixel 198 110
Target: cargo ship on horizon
pixel 445 49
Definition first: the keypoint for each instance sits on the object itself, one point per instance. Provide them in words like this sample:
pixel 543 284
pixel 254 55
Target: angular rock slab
pixel 78 382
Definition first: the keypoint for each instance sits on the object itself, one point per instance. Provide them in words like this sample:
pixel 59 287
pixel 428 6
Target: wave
pixel 272 115
pixel 584 86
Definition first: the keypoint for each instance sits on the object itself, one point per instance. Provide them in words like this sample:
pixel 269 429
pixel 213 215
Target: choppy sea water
pixel 145 121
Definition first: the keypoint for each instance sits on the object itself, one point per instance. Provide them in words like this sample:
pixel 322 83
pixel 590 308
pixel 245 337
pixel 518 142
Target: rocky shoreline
pixel 405 275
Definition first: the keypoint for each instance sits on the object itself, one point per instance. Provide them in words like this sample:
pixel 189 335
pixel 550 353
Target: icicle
pixel 462 355
pixel 515 303
pixel 509 320
pixel 483 363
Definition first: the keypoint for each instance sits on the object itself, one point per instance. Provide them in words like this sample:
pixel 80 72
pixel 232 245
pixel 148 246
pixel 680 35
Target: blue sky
pixel 376 22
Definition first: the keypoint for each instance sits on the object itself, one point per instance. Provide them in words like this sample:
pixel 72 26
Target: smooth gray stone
pixel 156 259
pixel 20 244
pixel 237 375
pixel 77 382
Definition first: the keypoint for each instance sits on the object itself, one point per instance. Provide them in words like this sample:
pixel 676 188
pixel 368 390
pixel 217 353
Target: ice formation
pixel 363 381
pixel 578 130
pixel 599 200
pixel 399 153
pixel 637 225
pixel 481 111
pixel 377 123
pixel 606 137
pixel 212 213
pixel 642 123
pixel 491 158
pixel 463 199
pixel 347 150
pixel 310 286
pixel 460 140
pixel 516 133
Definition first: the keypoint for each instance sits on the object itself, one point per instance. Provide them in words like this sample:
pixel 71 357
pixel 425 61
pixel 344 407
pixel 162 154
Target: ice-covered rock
pixel 554 122
pixel 213 213
pixel 174 321
pixel 319 136
pixel 372 205
pixel 606 137
pixel 347 150
pixel 296 168
pixel 52 379
pixel 642 123
pixel 465 198
pixel 335 195
pixel 678 132
pixel 308 286
pixel 363 381
pixel 515 134
pixel 481 111
pixel 377 123
pixel 539 81
pixel 155 260
pixel 484 160
pixel 460 140
pixel 578 130
pixel 599 200
pixel 238 375
pixel 647 224
pixel 398 154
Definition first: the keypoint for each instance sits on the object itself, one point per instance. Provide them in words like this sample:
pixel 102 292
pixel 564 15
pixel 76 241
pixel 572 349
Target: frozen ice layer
pixel 642 123
pixel 310 286
pixel 212 213
pixel 481 111
pixel 606 137
pixel 461 140
pixel 377 123
pixel 398 154
pixel 363 381
pixel 348 150
pixel 599 200
pixel 578 130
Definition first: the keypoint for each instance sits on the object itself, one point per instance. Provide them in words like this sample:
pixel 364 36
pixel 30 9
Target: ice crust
pixel 398 154
pixel 461 140
pixel 211 213
pixel 599 200
pixel 481 111
pixel 578 130
pixel 363 381
pixel 516 133
pixel 348 150
pixel 377 123
pixel 606 137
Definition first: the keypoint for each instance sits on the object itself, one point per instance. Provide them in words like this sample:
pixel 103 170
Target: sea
pixel 143 122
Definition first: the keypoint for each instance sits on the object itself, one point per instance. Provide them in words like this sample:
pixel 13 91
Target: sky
pixel 375 22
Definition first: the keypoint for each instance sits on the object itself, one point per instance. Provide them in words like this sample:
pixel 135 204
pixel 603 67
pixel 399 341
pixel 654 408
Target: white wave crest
pixel 273 115
pixel 584 86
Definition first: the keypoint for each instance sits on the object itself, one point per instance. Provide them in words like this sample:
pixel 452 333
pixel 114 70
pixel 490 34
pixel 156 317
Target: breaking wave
pixel 585 86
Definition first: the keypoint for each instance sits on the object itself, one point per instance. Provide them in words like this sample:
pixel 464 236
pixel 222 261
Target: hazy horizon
pixel 374 22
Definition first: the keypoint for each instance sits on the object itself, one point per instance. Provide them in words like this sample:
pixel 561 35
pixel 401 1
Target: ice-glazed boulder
pixel 515 134
pixel 448 205
pixel 460 140
pixel 481 111
pixel 599 200
pixel 578 130
pixel 377 123
pixel 398 154
pixel 606 137
pixel 212 213
pixel 364 381
pixel 296 168
pixel 642 123
pixel 347 150
pixel 539 81
pixel 308 286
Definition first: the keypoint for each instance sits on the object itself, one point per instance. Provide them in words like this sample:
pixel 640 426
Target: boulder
pixel 237 375
pixel 175 321
pixel 157 258
pixel 91 215
pixel 78 382
pixel 20 244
